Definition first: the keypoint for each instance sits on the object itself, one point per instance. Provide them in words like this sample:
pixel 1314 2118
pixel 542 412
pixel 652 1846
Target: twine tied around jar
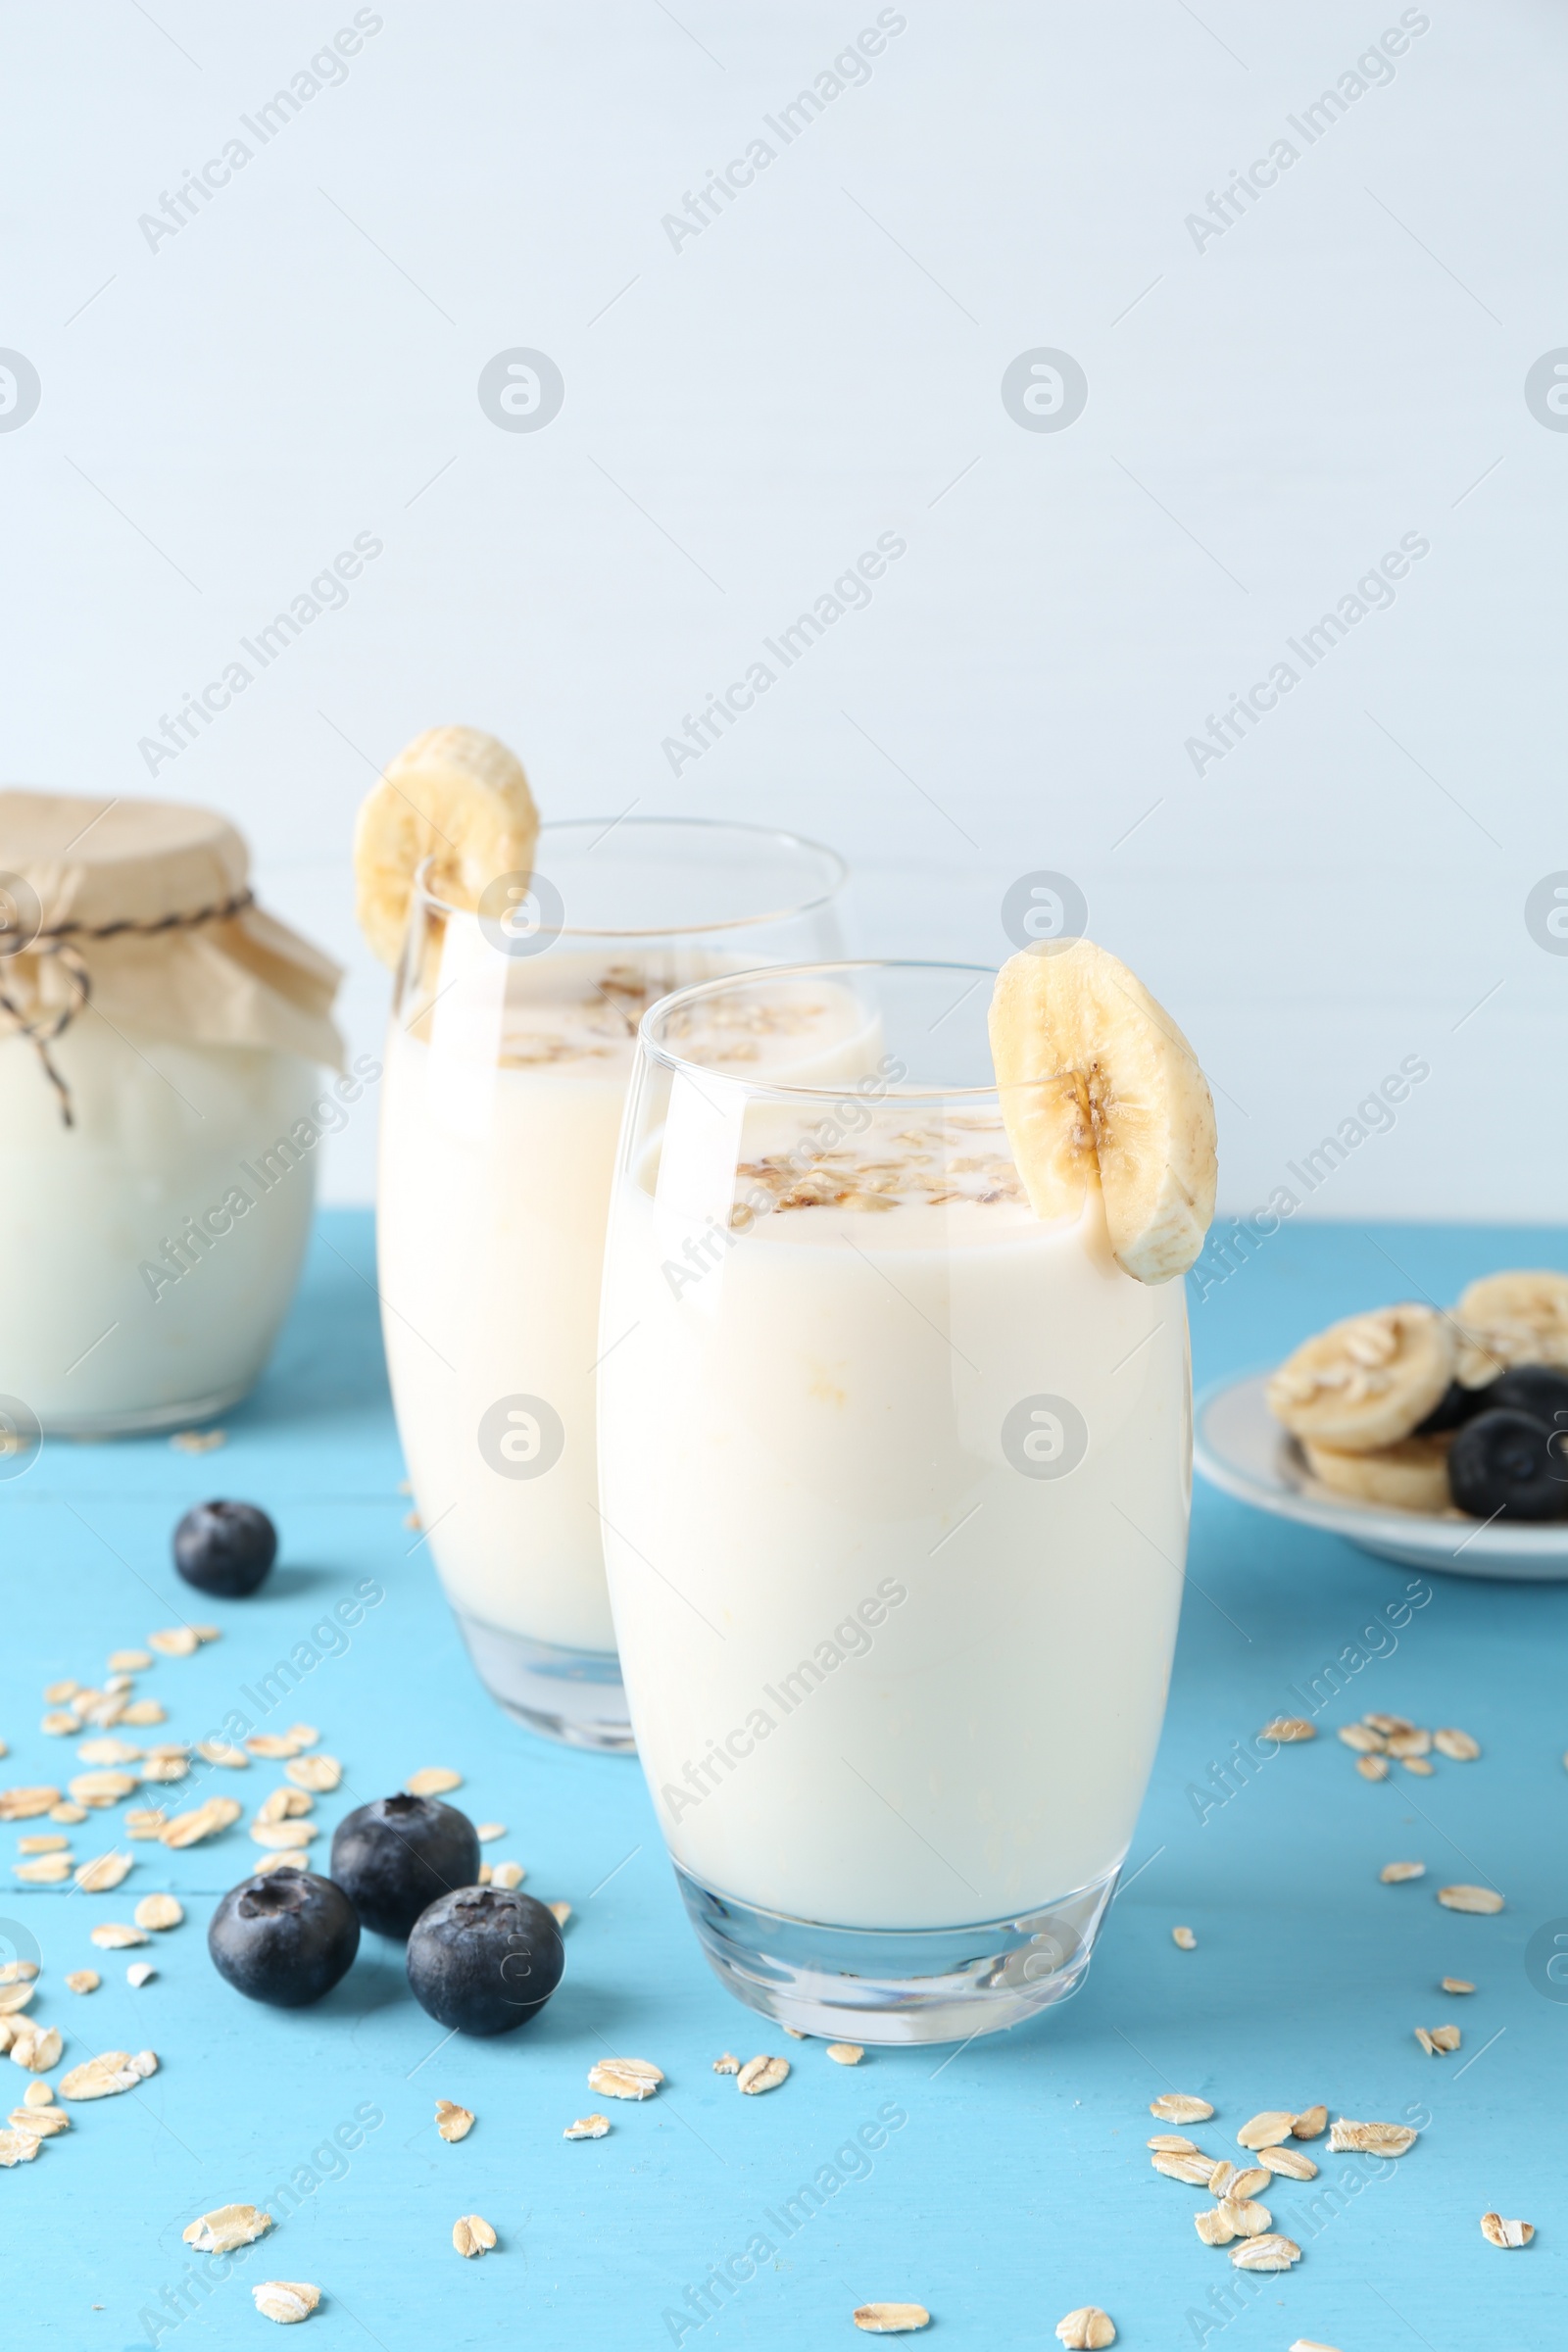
pixel 54 939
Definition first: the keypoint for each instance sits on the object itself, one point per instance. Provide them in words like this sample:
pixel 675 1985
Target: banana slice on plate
pixel 1366 1383
pixel 1507 1319
pixel 1098 1082
pixel 1413 1476
pixel 456 796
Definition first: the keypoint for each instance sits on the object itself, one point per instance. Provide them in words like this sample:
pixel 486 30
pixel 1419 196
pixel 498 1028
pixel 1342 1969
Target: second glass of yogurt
pixel 512 1038
pixel 896 1479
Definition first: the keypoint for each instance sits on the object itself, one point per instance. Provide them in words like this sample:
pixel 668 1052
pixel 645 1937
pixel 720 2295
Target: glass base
pixel 574 1696
pixel 895 1985
pixel 150 1420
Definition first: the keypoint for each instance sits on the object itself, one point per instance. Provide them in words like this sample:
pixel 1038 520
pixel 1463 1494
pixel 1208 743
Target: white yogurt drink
pixel 506 1081
pixel 896 1489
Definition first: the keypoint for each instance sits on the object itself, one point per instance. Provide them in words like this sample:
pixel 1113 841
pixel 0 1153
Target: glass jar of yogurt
pixel 895 1483
pixel 512 1038
pixel 161 1104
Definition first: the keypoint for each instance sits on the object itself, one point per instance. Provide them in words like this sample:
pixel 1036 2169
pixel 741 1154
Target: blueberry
pixel 285 1938
pixel 1506 1464
pixel 1454 1408
pixel 485 1959
pixel 394 1857
pixel 1531 1389
pixel 226 1547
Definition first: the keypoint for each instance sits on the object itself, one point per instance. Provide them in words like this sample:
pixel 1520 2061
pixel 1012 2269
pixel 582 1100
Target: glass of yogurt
pixel 512 1038
pixel 894 1484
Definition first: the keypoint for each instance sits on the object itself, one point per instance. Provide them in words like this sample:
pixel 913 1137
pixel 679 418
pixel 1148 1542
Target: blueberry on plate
pixel 226 1547
pixel 285 1937
pixel 1506 1464
pixel 1531 1389
pixel 1454 1407
pixel 394 1857
pixel 485 1959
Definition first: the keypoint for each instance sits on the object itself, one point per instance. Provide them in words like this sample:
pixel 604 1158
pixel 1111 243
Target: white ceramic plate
pixel 1239 1447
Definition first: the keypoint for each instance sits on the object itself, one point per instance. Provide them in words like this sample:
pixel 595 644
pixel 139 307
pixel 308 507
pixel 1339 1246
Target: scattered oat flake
pixel 1246 2217
pixel 14 1996
pixel 1184 1939
pixel 1457 1746
pixel 100 1789
pixel 473 2235
pixel 286 2300
pixel 157 1911
pixel 1457 1984
pixel 1395 1873
pixel 38 2094
pixel 320 1774
pixel 223 1751
pixel 1086 2329
pixel 59 1723
pixel 129 1661
pixel 1387 1725
pixel 37 2047
pixel 1418 1765
pixel 23 1804
pixel 19 2147
pixel 50 1842
pixel 197 1441
pixel 845 2053
pixel 1310 2123
pixel 303 1735
pixel 144 1711
pixel 140 1973
pixel 113 1936
pixel 83 1979
pixel 57 1693
pixel 175 1642
pixel 1268 2253
pixel 1287 2161
pixel 204 1820
pixel 794 2032
pixel 226 2227
pixel 1440 2042
pixel 1197 2169
pixel 1498 2233
pixel 761 2073
pixel 433 1780
pixel 44 2122
pixel 111 2072
pixel 145 1821
pixel 68 1814
pixel 1348 2139
pixel 49 1869
pixel 895 2318
pixel 486 1874
pixel 489 1830
pixel 624 2078
pixel 272 1745
pixel 1171 2143
pixel 1287 1729
pixel 452 2121
pixel 1372 1768
pixel 103 1872
pixel 587 2127
pixel 207 1633
pixel 727 2064
pixel 1365 1741
pixel 1177 2107
pixel 559 1911
pixel 1267 2130
pixel 290 1858
pixel 507 1874
pixel 107 1751
pixel 285 1836
pixel 1213 2226
pixel 1470 1898
pixel 1405 1744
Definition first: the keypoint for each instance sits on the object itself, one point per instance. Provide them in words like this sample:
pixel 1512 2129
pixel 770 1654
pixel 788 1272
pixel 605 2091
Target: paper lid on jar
pixel 149 902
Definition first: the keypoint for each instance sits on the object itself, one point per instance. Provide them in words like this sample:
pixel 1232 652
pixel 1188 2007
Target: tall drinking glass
pixel 512 1038
pixel 894 1481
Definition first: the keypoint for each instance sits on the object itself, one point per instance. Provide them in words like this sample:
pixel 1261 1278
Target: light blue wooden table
pixel 1010 2181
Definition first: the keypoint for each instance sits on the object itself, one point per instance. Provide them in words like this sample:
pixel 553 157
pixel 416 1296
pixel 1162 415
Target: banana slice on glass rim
pixel 1099 1083
pixel 456 796
pixel 1366 1383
